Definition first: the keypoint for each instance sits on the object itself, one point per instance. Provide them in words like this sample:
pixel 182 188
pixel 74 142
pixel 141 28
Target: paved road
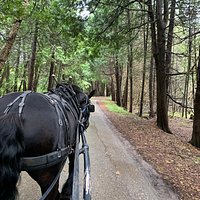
pixel 118 172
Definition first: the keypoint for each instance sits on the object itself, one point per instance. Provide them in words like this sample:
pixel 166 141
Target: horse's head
pixel 85 104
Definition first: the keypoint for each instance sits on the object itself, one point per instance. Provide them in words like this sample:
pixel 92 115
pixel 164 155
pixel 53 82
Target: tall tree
pixel 169 38
pixel 33 58
pixel 130 61
pixel 118 81
pixel 51 71
pixel 146 34
pixel 158 21
pixel 151 88
pixel 196 123
pixel 17 66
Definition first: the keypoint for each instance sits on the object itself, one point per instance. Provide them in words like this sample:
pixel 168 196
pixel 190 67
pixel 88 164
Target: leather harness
pixel 60 100
pixel 55 157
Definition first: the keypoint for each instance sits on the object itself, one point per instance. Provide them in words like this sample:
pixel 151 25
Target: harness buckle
pixel 60 122
pixel 21 104
pixel 59 153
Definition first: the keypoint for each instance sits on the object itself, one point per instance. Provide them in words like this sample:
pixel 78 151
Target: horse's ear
pixel 91 94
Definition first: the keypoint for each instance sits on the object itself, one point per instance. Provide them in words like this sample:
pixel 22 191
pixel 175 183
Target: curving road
pixel 117 171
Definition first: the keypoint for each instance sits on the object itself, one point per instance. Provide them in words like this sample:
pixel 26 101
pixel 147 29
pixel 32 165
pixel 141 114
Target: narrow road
pixel 117 171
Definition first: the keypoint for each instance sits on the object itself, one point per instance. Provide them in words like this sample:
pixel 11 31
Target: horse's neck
pixel 66 98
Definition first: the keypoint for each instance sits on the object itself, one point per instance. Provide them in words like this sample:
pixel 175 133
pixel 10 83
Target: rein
pixel 44 196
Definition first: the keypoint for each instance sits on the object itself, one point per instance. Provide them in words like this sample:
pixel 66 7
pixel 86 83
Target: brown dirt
pixel 171 155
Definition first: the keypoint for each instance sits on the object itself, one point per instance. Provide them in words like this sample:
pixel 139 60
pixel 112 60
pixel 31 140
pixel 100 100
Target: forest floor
pixel 171 155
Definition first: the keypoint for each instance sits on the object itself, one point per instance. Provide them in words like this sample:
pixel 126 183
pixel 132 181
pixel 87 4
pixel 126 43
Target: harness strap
pixel 64 103
pixel 60 123
pixel 47 160
pixel 21 104
pixel 62 120
pixel 44 196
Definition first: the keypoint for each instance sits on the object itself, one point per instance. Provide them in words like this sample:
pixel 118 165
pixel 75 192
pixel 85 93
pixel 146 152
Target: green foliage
pixel 114 107
pixel 85 47
pixel 11 8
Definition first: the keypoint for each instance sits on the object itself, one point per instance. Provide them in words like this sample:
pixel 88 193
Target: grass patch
pixel 112 107
pixel 179 115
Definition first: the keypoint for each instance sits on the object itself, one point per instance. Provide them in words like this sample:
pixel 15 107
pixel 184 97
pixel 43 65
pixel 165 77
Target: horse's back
pixel 40 124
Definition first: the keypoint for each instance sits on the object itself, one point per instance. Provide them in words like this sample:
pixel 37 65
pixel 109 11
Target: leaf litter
pixel 171 155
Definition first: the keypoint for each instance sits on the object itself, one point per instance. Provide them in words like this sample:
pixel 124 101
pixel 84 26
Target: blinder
pixel 91 108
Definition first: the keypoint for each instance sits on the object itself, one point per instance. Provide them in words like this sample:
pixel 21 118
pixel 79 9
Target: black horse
pixel 37 134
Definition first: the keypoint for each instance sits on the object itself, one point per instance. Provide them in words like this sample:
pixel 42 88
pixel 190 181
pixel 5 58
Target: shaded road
pixel 117 171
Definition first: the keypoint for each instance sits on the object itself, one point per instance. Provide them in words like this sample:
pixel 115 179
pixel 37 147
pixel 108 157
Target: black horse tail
pixel 11 148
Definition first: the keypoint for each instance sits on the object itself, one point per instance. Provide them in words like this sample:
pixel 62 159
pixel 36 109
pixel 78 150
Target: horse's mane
pixel 76 89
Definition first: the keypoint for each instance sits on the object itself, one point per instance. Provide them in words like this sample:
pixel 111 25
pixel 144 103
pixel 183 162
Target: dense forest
pixel 142 53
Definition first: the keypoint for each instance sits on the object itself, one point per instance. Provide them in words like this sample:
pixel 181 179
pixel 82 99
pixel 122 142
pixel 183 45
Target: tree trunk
pixel 17 67
pixel 195 69
pixel 36 77
pixel 158 39
pixel 170 42
pixel 60 72
pixel 5 51
pixel 151 89
pixel 144 68
pixel 7 78
pixel 118 82
pixel 125 94
pixel 3 76
pixel 113 94
pixel 33 58
pixel 131 78
pixel 23 84
pixel 187 78
pixel 130 60
pixel 50 84
pixel 196 123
